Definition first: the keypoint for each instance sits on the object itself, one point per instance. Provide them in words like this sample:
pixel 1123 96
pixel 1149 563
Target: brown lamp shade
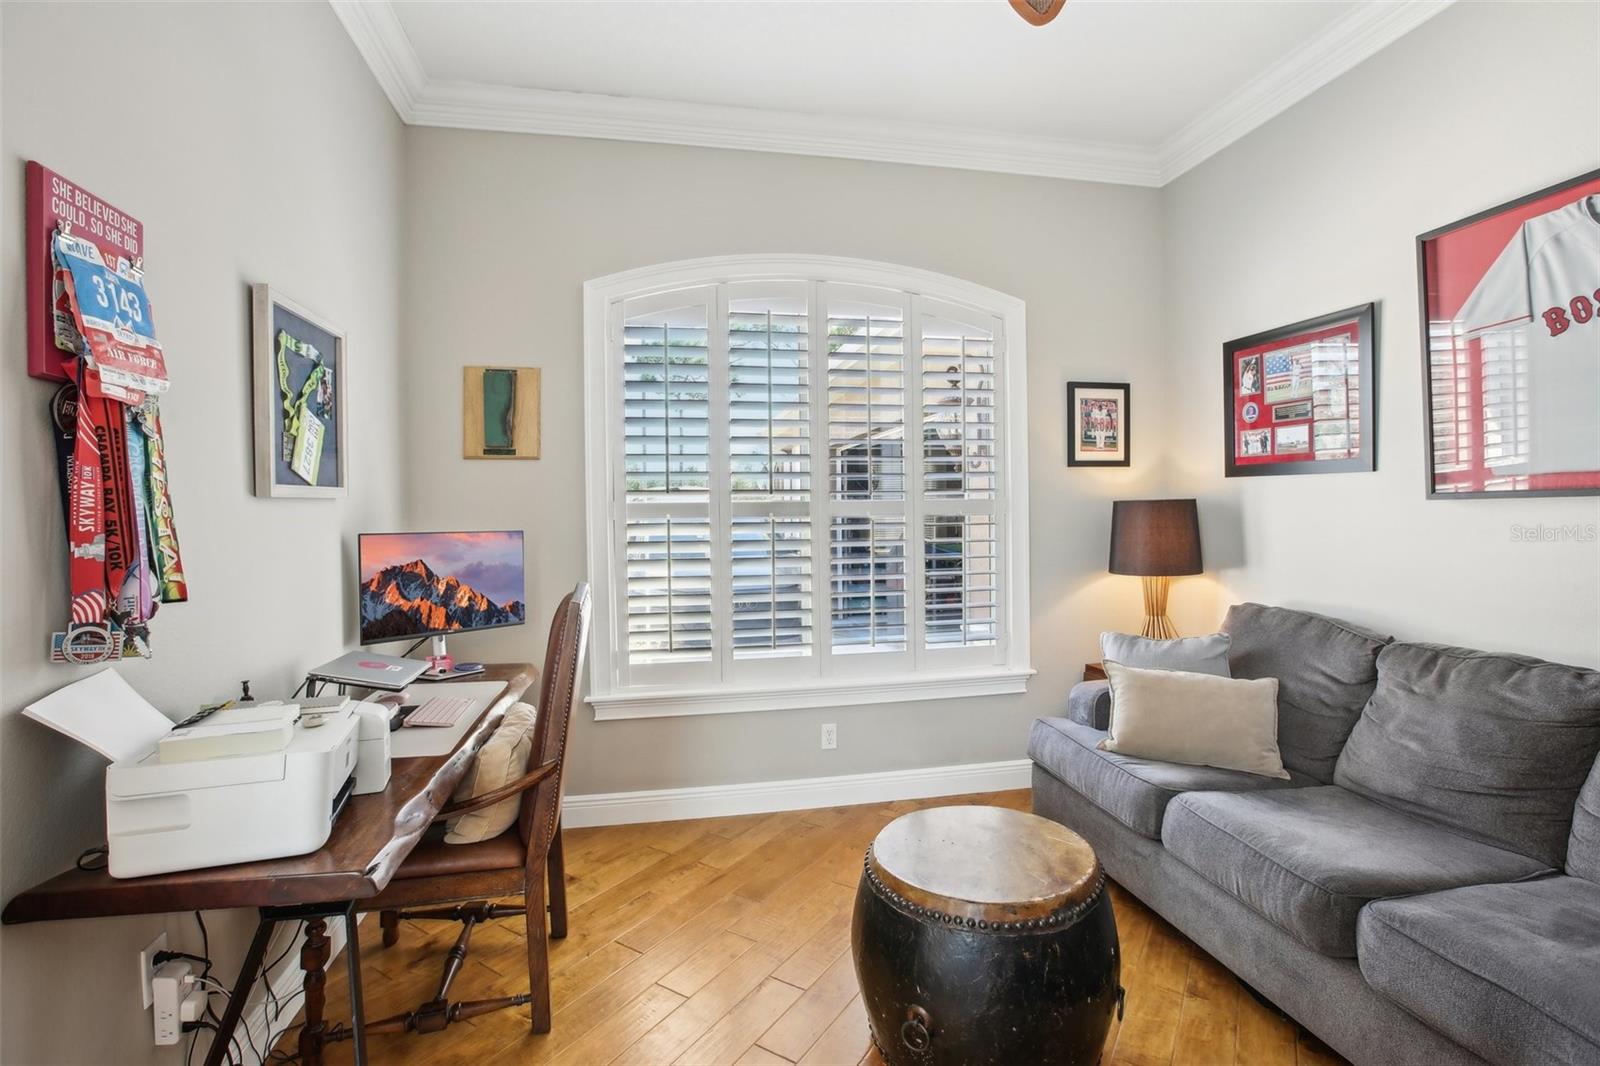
pixel 1155 538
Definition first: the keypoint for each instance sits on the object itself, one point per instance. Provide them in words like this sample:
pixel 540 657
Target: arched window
pixel 807 486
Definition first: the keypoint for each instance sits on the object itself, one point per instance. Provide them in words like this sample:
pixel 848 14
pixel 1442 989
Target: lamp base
pixel 1157 626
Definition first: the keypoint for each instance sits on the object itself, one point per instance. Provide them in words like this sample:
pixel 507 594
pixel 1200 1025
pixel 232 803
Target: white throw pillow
pixel 502 759
pixel 1197 719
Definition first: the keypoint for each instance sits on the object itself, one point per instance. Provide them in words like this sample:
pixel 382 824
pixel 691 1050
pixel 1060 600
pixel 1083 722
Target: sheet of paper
pixel 104 713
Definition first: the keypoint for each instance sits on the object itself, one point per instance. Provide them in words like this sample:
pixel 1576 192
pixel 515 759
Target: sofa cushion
pixel 1496 746
pixel 1325 670
pixel 1195 655
pixel 1583 846
pixel 1510 971
pixel 1133 791
pixel 1308 859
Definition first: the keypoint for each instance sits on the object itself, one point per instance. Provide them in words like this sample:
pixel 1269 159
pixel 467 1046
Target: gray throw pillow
pixel 1195 655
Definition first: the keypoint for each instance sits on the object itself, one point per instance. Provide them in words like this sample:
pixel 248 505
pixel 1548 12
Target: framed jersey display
pixel 1299 399
pixel 1511 346
pixel 300 386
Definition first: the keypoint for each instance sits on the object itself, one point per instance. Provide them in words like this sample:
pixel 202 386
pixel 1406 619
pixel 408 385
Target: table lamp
pixel 1156 540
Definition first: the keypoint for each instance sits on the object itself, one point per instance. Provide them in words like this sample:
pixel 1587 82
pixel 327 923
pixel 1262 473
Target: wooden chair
pixel 515 863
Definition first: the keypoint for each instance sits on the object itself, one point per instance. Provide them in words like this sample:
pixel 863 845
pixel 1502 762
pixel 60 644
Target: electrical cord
pixel 86 861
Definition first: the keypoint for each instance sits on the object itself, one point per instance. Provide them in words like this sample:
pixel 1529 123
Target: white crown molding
pixel 796 794
pixel 376 31
pixel 1348 42
pixel 420 101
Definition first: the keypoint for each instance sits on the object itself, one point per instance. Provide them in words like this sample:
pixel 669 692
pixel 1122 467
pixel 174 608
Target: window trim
pixel 601 389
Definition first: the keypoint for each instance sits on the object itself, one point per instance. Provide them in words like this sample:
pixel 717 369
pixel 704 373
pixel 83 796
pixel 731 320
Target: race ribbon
pixel 163 532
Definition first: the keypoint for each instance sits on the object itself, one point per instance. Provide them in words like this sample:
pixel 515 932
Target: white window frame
pixel 1004 668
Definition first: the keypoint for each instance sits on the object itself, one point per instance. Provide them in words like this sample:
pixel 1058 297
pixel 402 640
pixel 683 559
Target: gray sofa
pixel 1426 886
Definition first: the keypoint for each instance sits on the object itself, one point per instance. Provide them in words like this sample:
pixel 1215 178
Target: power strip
pixel 168 988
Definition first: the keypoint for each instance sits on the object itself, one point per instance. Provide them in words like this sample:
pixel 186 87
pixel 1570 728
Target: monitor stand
pixel 443 668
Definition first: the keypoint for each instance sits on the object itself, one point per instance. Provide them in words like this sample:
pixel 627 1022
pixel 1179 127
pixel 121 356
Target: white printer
pixel 162 817
pixel 256 781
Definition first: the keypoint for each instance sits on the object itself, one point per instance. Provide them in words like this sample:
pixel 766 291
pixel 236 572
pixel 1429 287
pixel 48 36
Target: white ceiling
pixel 1125 91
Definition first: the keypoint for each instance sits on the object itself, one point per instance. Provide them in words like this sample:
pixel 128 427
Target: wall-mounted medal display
pixel 300 387
pixel 1299 399
pixel 90 325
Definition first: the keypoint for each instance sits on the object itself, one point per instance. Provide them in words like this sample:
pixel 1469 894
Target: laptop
pixel 370 670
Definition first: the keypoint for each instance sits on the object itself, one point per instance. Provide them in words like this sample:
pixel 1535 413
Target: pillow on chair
pixel 501 760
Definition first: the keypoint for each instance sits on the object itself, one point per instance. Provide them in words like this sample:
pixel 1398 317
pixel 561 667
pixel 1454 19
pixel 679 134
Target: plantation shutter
pixel 810 484
pixel 960 478
pixel 770 469
pixel 667 502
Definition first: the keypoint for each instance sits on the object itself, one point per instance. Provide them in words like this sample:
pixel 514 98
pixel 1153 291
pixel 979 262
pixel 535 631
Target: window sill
pixel 841 692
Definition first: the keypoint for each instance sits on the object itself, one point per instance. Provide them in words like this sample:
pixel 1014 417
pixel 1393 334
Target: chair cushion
pixel 1325 669
pixel 1134 791
pixel 502 759
pixel 1583 846
pixel 1308 859
pixel 1512 972
pixel 1496 746
pixel 433 857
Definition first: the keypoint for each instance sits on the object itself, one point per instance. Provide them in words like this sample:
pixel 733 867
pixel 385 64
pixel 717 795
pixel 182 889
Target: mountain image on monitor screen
pixel 410 599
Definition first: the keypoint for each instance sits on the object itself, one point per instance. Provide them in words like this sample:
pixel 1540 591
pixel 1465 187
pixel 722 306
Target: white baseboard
pixel 760 797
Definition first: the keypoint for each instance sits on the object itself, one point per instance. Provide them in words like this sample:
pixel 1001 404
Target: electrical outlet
pixel 830 736
pixel 147 967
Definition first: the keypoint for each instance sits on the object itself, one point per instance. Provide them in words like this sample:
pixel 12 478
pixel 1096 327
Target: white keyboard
pixel 440 711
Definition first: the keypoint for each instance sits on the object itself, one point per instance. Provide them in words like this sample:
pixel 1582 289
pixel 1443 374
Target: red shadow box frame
pixel 1451 260
pixel 1363 319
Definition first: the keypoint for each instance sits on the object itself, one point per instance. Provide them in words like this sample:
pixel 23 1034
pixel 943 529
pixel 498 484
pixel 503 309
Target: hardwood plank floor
pixel 727 941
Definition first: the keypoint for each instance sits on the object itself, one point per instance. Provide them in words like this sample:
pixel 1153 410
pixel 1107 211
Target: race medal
pixel 113 314
pixel 308 447
pixel 168 563
pixel 64 429
pixel 86 644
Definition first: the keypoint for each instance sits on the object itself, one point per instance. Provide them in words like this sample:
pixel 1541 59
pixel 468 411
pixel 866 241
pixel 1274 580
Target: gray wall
pixel 1318 210
pixel 508 228
pixel 254 146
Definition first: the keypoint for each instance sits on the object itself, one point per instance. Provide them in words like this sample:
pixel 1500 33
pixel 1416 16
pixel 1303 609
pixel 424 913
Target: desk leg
pixel 352 957
pixel 313 957
pixel 241 991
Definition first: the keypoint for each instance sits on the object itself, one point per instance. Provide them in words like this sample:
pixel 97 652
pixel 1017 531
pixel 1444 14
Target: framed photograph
pixel 1300 399
pixel 1511 347
pixel 300 383
pixel 500 412
pixel 1098 421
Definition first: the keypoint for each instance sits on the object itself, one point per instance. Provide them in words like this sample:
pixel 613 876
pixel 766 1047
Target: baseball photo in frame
pixel 300 385
pixel 1510 310
pixel 1299 399
pixel 1099 424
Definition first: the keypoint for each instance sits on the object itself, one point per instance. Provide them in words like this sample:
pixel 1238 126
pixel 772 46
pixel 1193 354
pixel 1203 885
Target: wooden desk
pixel 1094 672
pixel 370 839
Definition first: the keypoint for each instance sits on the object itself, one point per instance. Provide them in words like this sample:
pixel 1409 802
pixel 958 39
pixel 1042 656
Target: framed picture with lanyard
pixel 300 385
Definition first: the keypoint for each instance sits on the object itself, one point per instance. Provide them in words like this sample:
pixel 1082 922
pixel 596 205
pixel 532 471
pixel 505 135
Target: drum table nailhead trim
pixel 1064 915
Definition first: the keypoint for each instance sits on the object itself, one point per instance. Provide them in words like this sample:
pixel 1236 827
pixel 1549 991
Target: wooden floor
pixel 728 941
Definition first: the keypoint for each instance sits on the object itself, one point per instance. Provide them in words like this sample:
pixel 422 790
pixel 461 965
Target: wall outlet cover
pixel 830 736
pixel 147 968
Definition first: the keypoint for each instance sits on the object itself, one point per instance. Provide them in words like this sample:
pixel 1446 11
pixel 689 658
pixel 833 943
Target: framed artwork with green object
pixel 500 412
pixel 300 383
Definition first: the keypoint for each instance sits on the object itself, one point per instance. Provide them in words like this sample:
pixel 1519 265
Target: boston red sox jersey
pixel 1546 285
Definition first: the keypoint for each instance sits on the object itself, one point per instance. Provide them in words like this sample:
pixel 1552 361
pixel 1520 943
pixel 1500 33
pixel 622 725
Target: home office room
pixel 991 531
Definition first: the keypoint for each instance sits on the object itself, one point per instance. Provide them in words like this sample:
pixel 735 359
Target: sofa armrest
pixel 1089 703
